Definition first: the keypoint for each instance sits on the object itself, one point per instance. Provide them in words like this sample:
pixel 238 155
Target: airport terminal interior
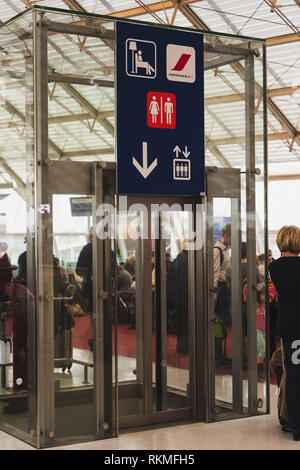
pixel 112 335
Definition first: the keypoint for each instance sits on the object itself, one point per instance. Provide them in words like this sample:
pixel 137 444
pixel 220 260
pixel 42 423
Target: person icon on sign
pixel 154 109
pixel 169 110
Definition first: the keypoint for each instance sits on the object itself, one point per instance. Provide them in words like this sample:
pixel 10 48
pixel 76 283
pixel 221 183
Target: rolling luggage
pixel 63 350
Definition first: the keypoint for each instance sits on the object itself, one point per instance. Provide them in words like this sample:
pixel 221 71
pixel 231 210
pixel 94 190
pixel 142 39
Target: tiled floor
pixel 259 433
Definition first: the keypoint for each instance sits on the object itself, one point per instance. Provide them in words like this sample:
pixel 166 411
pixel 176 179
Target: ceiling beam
pixel 79 80
pixel 74 5
pixel 241 96
pixel 153 7
pixel 20 185
pixel 258 138
pixel 284 39
pixel 88 153
pixel 78 117
pixel 284 177
pixel 239 69
pixel 12 110
pixel 88 107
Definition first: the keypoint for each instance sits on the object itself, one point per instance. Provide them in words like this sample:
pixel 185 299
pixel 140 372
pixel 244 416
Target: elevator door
pixel 234 388
pixel 156 311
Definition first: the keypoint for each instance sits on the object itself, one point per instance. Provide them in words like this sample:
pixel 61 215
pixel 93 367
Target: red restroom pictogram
pixel 161 110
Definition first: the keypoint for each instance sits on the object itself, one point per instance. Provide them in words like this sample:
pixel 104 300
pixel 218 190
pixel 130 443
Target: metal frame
pixel 44 237
pixel 199 265
pixel 225 183
pixel 98 307
pixel 251 232
pixel 44 234
pixel 237 338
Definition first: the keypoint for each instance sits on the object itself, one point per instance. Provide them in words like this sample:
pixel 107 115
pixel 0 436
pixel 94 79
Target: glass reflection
pixel 73 291
pixel 172 311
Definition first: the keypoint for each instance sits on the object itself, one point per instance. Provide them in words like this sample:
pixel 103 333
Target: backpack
pixel 221 254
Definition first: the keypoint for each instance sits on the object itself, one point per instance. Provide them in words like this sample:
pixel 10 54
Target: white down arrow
pixel 145 170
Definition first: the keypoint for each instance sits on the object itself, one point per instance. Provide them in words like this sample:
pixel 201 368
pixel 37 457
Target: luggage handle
pixel 50 298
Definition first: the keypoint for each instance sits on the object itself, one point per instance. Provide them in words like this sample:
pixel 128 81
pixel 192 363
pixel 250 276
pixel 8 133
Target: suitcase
pixel 63 350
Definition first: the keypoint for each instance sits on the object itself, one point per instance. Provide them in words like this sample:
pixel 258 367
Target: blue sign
pixel 160 110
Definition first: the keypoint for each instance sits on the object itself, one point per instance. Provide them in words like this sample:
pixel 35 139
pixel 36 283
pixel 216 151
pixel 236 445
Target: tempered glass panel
pixel 129 315
pixel 73 307
pixel 171 286
pixel 231 323
pixel 17 268
pixel 229 326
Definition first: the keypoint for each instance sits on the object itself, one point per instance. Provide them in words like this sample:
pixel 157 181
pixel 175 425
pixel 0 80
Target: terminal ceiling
pixel 81 127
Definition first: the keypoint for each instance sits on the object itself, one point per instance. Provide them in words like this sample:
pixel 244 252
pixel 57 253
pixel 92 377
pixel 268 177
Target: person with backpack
pixel 222 294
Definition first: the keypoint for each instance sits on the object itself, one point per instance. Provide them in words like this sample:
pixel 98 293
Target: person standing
pixel 222 293
pixel 84 269
pixel 5 272
pixel 285 274
pixel 181 272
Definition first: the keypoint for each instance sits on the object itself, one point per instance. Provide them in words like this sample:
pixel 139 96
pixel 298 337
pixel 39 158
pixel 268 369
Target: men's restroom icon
pixel 161 110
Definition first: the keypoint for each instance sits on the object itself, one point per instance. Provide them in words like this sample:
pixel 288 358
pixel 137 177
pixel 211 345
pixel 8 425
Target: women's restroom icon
pixel 161 110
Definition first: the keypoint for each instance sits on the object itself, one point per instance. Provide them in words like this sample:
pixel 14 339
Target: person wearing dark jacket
pixel 285 274
pixel 5 272
pixel 181 271
pixel 84 269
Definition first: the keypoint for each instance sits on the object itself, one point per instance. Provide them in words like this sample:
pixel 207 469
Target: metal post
pixel 236 306
pixel 251 233
pixel 201 369
pixel 109 259
pixel 147 317
pixel 30 243
pixel 44 238
pixel 139 318
pixel 98 308
pixel 161 319
pixel 266 230
pixel 191 309
pixel 210 307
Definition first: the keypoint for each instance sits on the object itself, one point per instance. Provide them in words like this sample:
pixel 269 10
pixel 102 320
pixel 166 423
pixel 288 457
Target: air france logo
pixel 183 60
pixel 181 63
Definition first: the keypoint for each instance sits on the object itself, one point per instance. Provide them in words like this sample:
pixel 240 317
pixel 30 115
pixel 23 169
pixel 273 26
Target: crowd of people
pixel 281 276
pixel 176 294
pixel 222 301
